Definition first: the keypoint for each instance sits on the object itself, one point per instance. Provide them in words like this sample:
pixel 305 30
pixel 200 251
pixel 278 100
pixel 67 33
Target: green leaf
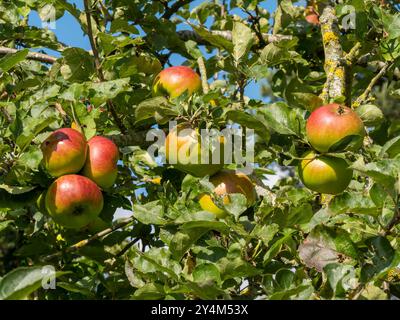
pixel 16 189
pixel 150 291
pixel 391 148
pixel 5 224
pixel 21 282
pixel 149 213
pixel 242 39
pixel 214 39
pixel 282 119
pixel 265 232
pixel 247 120
pixel 352 202
pixel 158 108
pixel 341 278
pixel 276 247
pixel 10 60
pixel 382 171
pixel 77 65
pixel 206 272
pixel 380 254
pixel 326 245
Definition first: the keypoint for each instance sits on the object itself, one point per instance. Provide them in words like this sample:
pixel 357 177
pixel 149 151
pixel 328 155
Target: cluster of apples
pixel 82 169
pixel 173 82
pixel 330 129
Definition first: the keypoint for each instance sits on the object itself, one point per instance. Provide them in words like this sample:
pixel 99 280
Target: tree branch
pixel 203 74
pixel 364 96
pixel 99 68
pixel 335 85
pixel 41 57
pixel 174 8
pixel 89 240
pixel 186 35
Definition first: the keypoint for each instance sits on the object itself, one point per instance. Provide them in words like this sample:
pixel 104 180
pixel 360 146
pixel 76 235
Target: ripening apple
pixel 64 152
pixel 228 182
pixel 174 81
pixel 74 201
pixel 183 150
pixel 312 16
pixel 101 161
pixel 333 125
pixel 324 174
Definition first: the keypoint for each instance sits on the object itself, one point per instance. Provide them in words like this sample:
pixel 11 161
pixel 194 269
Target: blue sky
pixel 69 32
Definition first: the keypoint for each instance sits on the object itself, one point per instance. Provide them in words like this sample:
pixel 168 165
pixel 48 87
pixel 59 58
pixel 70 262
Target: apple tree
pixel 316 217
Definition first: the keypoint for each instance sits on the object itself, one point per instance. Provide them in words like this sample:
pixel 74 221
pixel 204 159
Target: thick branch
pixel 335 85
pixel 31 55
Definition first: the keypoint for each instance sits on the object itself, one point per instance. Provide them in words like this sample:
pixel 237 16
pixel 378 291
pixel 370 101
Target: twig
pixel 99 68
pixel 174 8
pixel 395 220
pixel 41 57
pixel 131 138
pixel 203 74
pixel 353 53
pixel 364 96
pixel 89 240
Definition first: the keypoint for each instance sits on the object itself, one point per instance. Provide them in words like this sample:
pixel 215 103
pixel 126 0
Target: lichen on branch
pixel 335 85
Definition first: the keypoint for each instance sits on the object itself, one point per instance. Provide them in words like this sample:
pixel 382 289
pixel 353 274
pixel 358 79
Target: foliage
pixel 292 244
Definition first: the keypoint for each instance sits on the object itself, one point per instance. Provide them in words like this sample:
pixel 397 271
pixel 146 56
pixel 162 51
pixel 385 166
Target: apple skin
pixel 74 201
pixel 228 182
pixel 174 81
pixel 101 162
pixel 64 152
pixel 324 174
pixel 179 141
pixel 332 123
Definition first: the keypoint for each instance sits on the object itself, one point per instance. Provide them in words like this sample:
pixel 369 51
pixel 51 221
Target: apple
pixel 312 16
pixel 184 152
pixel 324 174
pixel 64 152
pixel 228 182
pixel 101 162
pixel 74 201
pixel 174 81
pixel 333 125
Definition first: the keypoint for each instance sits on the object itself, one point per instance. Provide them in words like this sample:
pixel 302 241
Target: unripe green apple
pixel 324 174
pixel 228 182
pixel 74 201
pixel 101 161
pixel 184 152
pixel 64 152
pixel 174 81
pixel 334 125
pixel 370 114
